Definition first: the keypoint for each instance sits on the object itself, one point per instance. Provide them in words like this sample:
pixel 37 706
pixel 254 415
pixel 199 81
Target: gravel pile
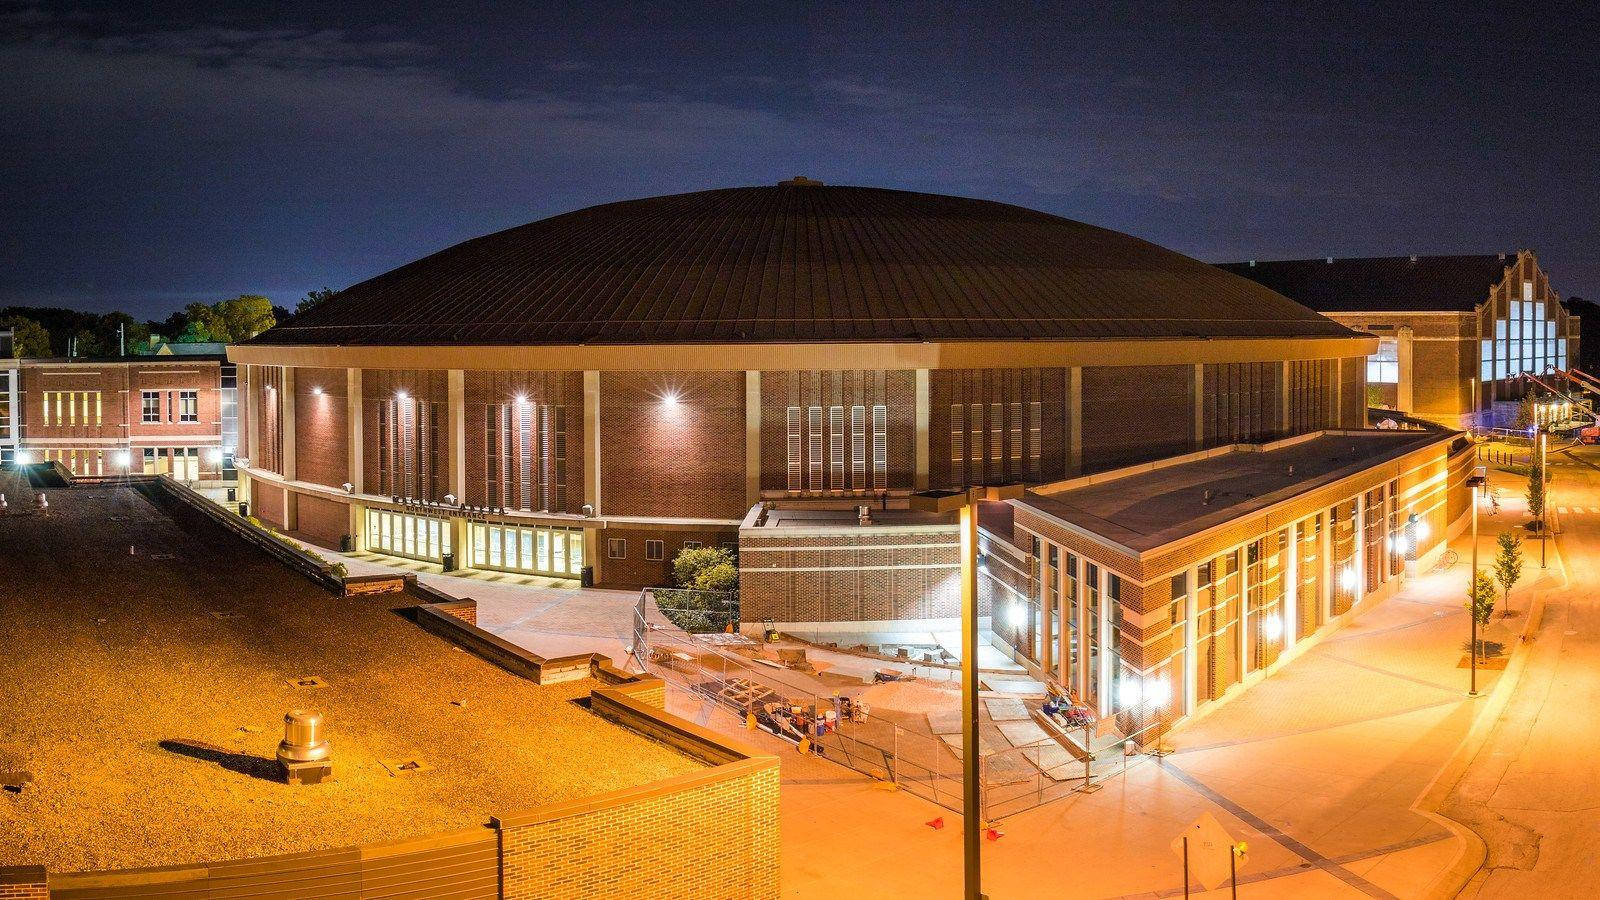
pixel 145 698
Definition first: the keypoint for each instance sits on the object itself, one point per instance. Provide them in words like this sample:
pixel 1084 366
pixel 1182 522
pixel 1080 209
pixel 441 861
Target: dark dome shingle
pixel 797 263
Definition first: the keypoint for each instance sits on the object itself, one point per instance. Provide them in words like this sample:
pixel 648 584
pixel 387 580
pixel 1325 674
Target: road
pixel 1533 790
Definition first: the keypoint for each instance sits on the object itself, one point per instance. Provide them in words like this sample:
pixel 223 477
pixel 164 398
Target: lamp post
pixel 1476 483
pixel 965 501
pixel 1544 492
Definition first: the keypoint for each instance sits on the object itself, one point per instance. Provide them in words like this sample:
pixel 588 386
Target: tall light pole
pixel 966 501
pixel 1544 492
pixel 1476 483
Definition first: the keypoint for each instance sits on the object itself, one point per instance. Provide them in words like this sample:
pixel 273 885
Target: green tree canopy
pixel 243 317
pixel 29 337
pixel 1480 602
pixel 705 569
pixel 1508 563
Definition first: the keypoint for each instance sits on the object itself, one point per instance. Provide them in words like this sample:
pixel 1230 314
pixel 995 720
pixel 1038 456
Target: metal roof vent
pixel 800 181
pixel 1330 260
pixel 304 753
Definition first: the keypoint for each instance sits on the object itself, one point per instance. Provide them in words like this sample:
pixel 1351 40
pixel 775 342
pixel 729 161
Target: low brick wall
pixel 292 556
pixel 23 883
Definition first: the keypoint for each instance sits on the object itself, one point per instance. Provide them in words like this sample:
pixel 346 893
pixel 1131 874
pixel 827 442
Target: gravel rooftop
pixel 144 696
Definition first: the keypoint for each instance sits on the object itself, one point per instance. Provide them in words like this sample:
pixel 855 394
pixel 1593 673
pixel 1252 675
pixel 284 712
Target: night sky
pixel 151 158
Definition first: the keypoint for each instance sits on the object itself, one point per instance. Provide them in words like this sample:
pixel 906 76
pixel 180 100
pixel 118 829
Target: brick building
pixel 1455 332
pixel 169 414
pixel 605 387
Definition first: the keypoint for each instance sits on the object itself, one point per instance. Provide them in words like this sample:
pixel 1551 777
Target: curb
pixel 1455 877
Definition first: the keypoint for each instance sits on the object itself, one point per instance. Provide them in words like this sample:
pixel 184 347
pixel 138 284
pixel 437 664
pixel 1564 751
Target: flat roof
pixel 819 517
pixel 144 694
pixel 1153 507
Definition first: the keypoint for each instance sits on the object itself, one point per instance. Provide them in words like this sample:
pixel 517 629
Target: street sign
pixel 1210 849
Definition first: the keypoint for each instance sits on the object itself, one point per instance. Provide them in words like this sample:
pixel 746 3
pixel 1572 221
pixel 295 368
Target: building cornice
pixel 809 356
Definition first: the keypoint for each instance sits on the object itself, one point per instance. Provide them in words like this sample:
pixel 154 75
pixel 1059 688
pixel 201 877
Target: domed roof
pixel 799 262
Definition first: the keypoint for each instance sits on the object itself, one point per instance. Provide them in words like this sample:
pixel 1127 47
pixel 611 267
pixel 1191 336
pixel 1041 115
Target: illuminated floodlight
pixel 24 458
pixel 1157 692
pixel 214 455
pixel 123 459
pixel 669 399
pixel 1347 578
pixel 1272 627
pixel 522 399
pixel 1016 615
pixel 1128 693
pixel 317 390
pixel 401 395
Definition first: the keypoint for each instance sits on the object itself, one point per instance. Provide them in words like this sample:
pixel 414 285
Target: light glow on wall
pixel 1347 578
pixel 122 458
pixel 1272 627
pixel 24 458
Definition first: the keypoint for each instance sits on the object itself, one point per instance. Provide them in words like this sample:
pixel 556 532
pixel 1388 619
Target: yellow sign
pixel 1210 847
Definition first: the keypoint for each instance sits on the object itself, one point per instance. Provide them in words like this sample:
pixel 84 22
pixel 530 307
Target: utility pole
pixel 965 502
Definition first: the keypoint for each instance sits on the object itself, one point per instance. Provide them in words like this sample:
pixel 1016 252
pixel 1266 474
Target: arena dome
pixel 799 262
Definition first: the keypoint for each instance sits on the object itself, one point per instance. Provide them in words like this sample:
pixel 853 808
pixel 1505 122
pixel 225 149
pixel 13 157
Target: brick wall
pixel 323 521
pixel 23 883
pixel 986 387
pixel 320 416
pixel 855 574
pixel 680 460
pixel 637 571
pixel 491 389
pixel 1136 414
pixel 895 390
pixel 704 835
pixel 266 502
pixel 380 385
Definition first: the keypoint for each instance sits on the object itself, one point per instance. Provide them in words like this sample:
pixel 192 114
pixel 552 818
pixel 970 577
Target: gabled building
pixel 1455 332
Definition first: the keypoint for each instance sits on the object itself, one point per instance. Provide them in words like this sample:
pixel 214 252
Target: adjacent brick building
pixel 1455 332
pixel 168 414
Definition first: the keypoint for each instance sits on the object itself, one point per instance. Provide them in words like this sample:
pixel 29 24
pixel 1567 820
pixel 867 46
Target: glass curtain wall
pixel 532 550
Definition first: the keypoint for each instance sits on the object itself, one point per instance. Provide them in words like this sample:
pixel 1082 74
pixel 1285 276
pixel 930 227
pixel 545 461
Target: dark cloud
pixel 151 160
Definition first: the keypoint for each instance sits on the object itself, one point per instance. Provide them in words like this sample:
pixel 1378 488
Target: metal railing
pixel 1015 779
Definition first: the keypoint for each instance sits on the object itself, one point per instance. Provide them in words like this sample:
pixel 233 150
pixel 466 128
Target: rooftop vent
pixel 800 181
pixel 304 753
pixel 1330 260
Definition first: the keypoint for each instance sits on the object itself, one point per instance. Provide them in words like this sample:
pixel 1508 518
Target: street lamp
pixel 1544 492
pixel 965 500
pixel 1476 482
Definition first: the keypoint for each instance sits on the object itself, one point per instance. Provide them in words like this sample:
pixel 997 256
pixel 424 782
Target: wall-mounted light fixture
pixel 316 390
pixel 669 399
pixel 401 395
pixel 122 458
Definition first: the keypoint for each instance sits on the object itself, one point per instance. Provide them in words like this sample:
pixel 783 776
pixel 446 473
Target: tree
pixel 1536 492
pixel 29 338
pixel 1480 602
pixel 705 569
pixel 196 333
pixel 313 299
pixel 1508 564
pixel 88 343
pixel 243 317
pixel 1525 414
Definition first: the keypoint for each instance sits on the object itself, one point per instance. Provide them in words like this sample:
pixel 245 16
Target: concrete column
pixel 355 431
pixel 1404 339
pixel 1359 552
pixel 1191 654
pixel 1063 610
pixel 1283 397
pixel 286 423
pixel 1199 381
pixel 922 452
pixel 248 407
pixel 1242 632
pixel 286 430
pixel 1107 641
pixel 456 381
pixel 752 438
pixel 1075 420
pixel 1291 587
pixel 591 442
